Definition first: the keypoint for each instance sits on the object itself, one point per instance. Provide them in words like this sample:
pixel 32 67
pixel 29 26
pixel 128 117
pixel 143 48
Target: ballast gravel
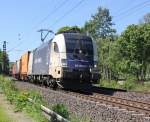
pixel 97 112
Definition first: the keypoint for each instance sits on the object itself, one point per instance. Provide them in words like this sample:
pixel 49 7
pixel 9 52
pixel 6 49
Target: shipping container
pixel 30 63
pixel 18 66
pixel 41 58
pixel 24 65
pixel 14 70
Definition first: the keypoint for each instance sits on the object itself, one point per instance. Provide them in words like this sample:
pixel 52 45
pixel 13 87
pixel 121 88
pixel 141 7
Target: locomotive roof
pixel 66 36
pixel 76 36
pixel 43 45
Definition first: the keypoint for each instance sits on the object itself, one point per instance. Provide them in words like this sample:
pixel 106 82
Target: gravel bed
pixel 143 97
pixel 95 111
pixel 136 96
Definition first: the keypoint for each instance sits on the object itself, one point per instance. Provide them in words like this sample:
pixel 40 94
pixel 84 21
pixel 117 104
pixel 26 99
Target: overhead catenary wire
pixel 15 46
pixel 134 12
pixel 51 13
pixel 122 14
pixel 127 12
pixel 64 15
pixel 130 10
pixel 67 13
pixel 44 19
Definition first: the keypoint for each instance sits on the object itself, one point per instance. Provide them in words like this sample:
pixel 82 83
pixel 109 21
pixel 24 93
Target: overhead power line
pixel 64 15
pixel 130 10
pixel 68 12
pixel 44 19
pixel 51 13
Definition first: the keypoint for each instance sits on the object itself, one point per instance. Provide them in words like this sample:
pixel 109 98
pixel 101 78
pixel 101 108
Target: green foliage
pixel 100 24
pixel 3 116
pixel 61 109
pixel 100 28
pixel 20 99
pixel 109 84
pixel 34 110
pixel 2 62
pixel 146 18
pixel 67 29
pixel 130 83
pixel 144 87
pixel 134 45
pixel 8 88
pixel 108 59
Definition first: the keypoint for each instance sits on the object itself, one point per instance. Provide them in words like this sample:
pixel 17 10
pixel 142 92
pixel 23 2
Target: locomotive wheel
pixel 53 83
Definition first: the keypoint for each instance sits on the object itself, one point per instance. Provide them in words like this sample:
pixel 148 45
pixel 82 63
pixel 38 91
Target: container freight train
pixel 68 60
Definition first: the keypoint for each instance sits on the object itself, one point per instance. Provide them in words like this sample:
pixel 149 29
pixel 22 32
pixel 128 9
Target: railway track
pixel 122 103
pixel 130 105
pixel 94 105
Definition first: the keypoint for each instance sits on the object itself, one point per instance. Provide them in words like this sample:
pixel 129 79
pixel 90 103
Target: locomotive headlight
pixel 95 64
pixel 64 62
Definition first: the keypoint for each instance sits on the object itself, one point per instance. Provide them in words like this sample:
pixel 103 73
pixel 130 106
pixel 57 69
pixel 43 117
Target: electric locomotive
pixel 67 60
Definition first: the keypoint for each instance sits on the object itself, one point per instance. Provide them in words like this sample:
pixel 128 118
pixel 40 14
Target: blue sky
pixel 20 19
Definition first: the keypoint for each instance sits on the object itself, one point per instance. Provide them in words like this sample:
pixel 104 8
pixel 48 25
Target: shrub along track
pixel 96 98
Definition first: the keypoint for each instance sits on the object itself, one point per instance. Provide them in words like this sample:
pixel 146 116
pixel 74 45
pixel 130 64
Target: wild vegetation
pixel 20 100
pixel 2 55
pixel 121 57
pixel 3 115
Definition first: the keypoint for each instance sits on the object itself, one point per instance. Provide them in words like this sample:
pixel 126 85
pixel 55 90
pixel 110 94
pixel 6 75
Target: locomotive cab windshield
pixel 80 58
pixel 81 49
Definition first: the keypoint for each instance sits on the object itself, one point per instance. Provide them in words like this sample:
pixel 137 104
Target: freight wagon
pixel 14 70
pixel 17 70
pixel 24 65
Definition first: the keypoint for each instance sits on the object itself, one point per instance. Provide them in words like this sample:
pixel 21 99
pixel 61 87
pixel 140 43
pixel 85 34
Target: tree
pixel 146 18
pixel 100 25
pixel 2 62
pixel 108 58
pixel 134 48
pixel 66 29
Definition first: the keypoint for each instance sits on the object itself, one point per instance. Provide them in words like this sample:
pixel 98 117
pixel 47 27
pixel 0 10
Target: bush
pixel 20 99
pixel 61 109
pixel 109 84
pixel 130 83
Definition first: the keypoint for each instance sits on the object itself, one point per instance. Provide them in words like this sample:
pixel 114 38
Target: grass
pixel 143 88
pixel 130 85
pixel 61 109
pixel 20 100
pixel 75 118
pixel 3 116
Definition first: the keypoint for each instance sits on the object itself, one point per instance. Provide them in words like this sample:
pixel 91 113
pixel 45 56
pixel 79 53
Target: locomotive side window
pixel 56 47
